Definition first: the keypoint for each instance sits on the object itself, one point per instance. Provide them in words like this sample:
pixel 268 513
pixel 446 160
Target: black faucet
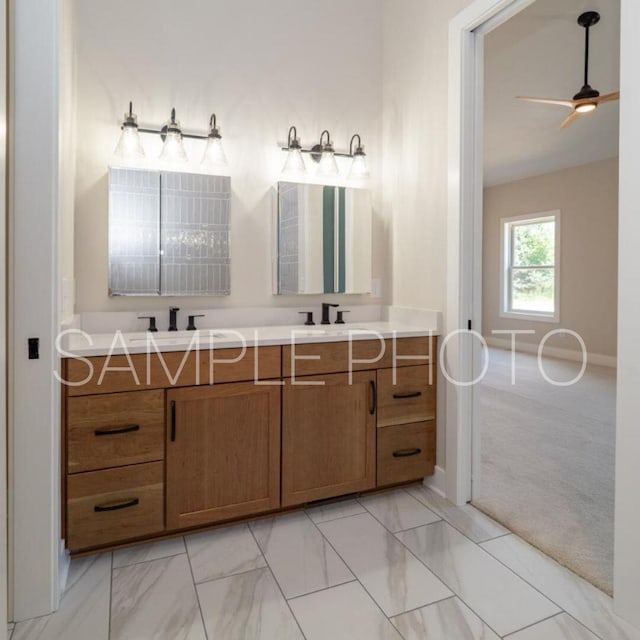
pixel 173 318
pixel 152 323
pixel 325 312
pixel 191 326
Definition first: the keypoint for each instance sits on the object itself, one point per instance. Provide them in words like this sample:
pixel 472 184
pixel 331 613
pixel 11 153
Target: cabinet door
pixel 223 453
pixel 328 437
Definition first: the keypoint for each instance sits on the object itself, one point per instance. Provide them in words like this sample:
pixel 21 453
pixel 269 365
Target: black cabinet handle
pixel 114 432
pixel 404 396
pixel 407 453
pixel 173 421
pixel 374 397
pixel 116 507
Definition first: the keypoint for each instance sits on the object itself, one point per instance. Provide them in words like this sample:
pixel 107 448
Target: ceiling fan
pixel 587 99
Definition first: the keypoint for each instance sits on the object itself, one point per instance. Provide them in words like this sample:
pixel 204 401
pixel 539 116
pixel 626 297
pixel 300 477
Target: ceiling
pixel 540 52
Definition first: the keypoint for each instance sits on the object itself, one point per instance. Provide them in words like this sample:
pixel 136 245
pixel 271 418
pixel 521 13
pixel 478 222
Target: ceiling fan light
pixel 587 107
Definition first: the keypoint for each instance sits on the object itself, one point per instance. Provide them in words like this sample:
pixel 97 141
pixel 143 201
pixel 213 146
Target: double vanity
pixel 169 432
pixel 165 432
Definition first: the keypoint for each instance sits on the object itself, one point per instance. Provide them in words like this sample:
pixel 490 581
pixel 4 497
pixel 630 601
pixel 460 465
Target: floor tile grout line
pixel 539 590
pixel 529 626
pixel 110 595
pixel 230 575
pixel 273 575
pixel 453 596
pixel 362 585
pixel 353 572
pixel 458 529
pixel 373 515
pixel 503 535
pixel 459 596
pixel 313 593
pixel 308 593
pixel 348 515
pixel 134 564
pixel 195 588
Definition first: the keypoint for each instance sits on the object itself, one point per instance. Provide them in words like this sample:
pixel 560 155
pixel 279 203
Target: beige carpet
pixel 547 470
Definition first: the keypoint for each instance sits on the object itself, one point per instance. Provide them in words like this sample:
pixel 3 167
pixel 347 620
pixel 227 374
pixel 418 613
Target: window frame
pixel 506 258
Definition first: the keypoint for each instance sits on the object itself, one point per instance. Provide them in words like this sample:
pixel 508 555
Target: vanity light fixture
pixel 359 168
pixel 214 156
pixel 294 165
pixel 129 147
pixel 325 155
pixel 328 166
pixel 173 148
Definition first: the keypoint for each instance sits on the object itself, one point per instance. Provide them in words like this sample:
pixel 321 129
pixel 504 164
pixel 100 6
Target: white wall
pixel 627 528
pixel 587 197
pixel 416 36
pixel 261 66
pixel 67 87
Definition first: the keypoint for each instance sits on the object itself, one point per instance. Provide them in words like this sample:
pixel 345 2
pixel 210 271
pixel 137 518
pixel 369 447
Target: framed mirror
pixel 169 233
pixel 323 240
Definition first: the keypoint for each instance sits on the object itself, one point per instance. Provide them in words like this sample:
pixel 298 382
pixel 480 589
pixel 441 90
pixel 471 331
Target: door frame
pixel 4 549
pixel 464 272
pixel 464 231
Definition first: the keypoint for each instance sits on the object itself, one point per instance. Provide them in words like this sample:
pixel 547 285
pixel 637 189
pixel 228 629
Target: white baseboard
pixel 562 354
pixel 64 562
pixel 436 482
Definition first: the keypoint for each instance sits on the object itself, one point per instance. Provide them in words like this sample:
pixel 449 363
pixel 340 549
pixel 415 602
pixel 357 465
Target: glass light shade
pixel 294 164
pixel 129 147
pixel 359 168
pixel 328 166
pixel 214 156
pixel 587 107
pixel 173 149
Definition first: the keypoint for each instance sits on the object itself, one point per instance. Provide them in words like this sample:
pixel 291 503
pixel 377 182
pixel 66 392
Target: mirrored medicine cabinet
pixel 169 233
pixel 323 240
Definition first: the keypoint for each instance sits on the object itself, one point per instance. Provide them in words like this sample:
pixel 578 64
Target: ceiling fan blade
pixel 562 103
pixel 570 120
pixel 609 97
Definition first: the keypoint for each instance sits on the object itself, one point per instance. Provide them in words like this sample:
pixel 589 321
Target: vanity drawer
pixel 114 430
pixel 319 358
pixel 105 507
pixel 406 452
pixel 411 399
pixel 100 374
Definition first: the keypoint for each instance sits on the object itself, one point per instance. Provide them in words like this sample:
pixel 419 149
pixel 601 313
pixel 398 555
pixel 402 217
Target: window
pixel 531 248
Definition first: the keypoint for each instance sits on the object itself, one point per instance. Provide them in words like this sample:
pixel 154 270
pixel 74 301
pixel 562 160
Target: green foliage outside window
pixel 533 245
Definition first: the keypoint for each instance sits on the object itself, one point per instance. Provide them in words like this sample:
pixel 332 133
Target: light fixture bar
pixel 310 151
pixel 161 132
pixel 316 150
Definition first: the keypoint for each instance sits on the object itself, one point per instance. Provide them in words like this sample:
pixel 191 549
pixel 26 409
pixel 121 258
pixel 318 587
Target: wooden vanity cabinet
pixel 406 434
pixel 328 436
pixel 222 453
pixel 151 452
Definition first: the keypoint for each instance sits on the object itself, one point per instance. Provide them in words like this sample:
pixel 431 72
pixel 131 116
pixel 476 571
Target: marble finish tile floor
pixel 405 565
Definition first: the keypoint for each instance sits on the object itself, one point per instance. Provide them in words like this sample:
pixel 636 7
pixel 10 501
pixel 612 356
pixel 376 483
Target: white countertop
pixel 77 343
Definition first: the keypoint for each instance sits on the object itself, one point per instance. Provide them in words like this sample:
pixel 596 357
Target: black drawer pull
pixel 173 421
pixel 407 453
pixel 404 396
pixel 116 507
pixel 374 398
pixel 114 432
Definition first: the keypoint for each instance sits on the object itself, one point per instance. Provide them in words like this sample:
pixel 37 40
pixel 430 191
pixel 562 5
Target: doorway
pixel 545 426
